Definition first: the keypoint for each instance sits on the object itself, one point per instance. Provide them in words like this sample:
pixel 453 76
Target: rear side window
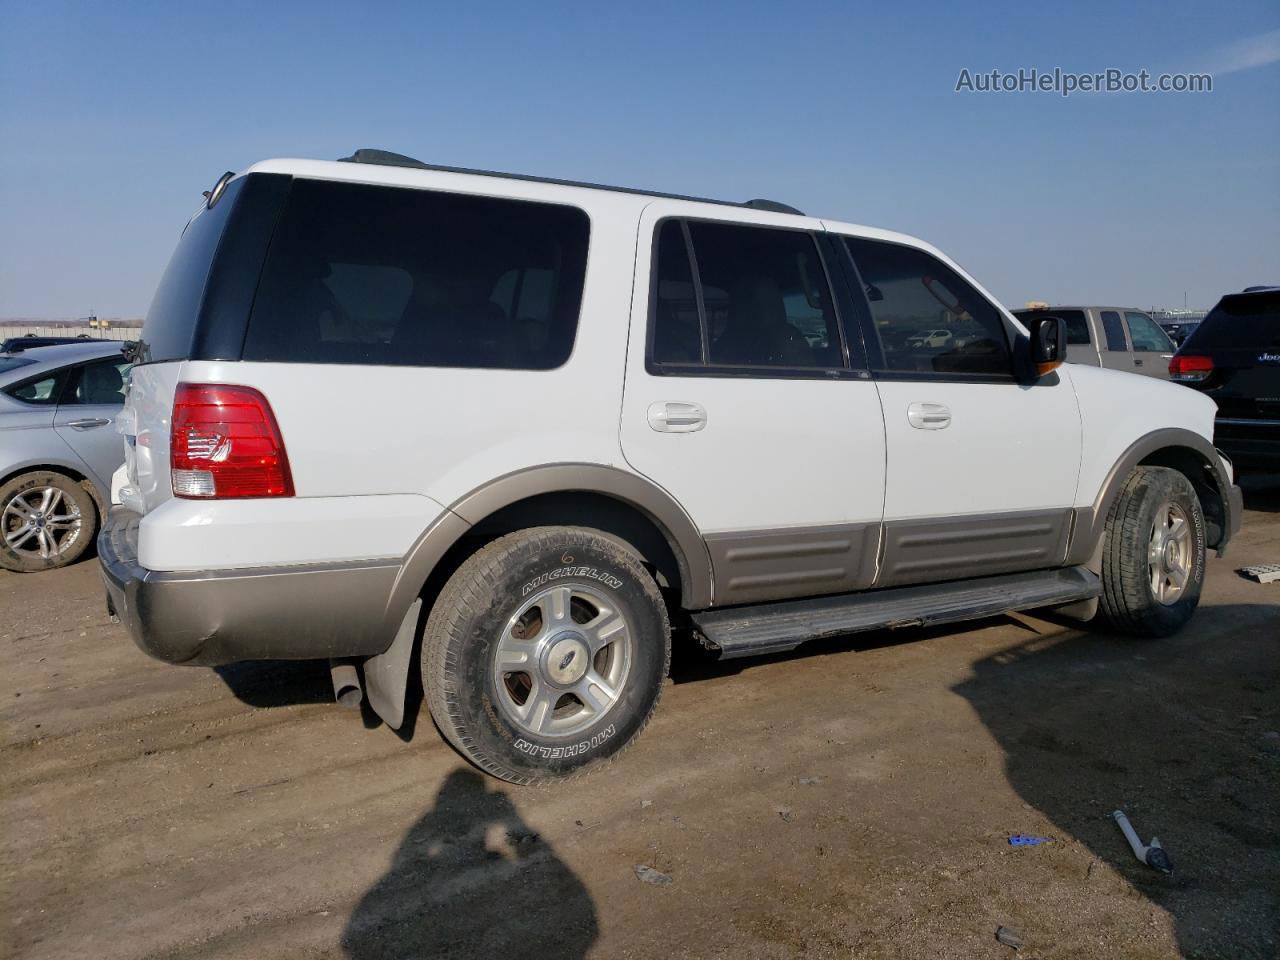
pixel 393 276
pixel 171 321
pixel 1077 325
pixel 760 299
pixel 100 382
pixel 1248 321
pixel 1113 331
pixel 927 317
pixel 1146 333
pixel 42 391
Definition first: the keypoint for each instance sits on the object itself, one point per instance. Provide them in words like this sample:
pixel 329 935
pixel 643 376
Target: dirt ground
pixel 853 800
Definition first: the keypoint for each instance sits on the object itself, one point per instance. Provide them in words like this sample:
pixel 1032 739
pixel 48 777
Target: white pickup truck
pixel 512 431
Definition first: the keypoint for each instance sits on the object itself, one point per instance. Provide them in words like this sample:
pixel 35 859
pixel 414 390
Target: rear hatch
pixel 1241 338
pixel 202 303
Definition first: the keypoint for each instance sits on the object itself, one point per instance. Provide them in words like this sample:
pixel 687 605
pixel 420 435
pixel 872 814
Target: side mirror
pixel 1048 343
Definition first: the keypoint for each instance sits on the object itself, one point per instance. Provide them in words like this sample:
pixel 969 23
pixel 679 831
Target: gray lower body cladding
pixel 771 628
pixel 948 548
pixel 216 617
pixel 752 566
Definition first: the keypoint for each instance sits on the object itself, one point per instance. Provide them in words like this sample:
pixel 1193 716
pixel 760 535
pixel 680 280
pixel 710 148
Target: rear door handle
pixel 677 417
pixel 88 423
pixel 1137 361
pixel 929 416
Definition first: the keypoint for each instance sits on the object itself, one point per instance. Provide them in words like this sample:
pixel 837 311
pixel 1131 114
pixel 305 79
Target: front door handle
pixel 677 417
pixel 929 416
pixel 88 423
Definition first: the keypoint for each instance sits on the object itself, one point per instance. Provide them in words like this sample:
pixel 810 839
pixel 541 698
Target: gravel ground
pixel 852 800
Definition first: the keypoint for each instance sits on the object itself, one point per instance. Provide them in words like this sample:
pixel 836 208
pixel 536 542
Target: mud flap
pixel 386 676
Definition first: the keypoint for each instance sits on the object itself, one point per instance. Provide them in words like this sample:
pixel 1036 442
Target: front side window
pixel 1146 333
pixel 392 276
pixel 928 318
pixel 1113 331
pixel 100 382
pixel 760 299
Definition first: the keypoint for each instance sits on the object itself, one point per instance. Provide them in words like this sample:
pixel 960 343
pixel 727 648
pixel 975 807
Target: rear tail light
pixel 1190 369
pixel 225 444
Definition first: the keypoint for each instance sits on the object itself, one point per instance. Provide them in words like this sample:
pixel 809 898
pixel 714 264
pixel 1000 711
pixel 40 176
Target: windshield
pixel 12 363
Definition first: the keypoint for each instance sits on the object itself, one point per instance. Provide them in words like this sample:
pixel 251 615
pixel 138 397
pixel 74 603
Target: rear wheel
pixel 1154 561
pixel 545 653
pixel 47 520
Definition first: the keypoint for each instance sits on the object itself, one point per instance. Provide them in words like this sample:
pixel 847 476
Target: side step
pixel 774 627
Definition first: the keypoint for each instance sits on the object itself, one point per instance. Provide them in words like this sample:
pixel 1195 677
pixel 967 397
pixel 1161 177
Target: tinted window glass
pixel 1077 325
pixel 1243 320
pixel 386 275
pixel 765 297
pixel 100 382
pixel 1146 334
pixel 171 320
pixel 677 335
pixel 1113 331
pixel 928 318
pixel 42 391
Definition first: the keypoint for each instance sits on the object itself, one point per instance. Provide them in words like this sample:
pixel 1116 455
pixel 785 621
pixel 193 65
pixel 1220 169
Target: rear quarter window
pixel 171 320
pixel 360 274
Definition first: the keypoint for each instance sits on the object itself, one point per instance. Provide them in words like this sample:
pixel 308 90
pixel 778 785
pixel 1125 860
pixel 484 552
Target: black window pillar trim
pixel 695 277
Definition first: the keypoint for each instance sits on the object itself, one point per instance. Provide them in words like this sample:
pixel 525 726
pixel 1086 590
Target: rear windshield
pixel 171 322
pixel 1077 326
pixel 1247 320
pixel 12 363
pixel 392 276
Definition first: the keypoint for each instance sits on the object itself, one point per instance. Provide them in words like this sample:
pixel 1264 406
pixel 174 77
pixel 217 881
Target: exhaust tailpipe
pixel 346 683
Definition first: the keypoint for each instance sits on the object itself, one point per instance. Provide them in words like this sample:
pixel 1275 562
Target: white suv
pixel 512 431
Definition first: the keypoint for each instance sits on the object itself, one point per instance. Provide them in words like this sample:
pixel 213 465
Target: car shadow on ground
pixel 278 683
pixel 1179 733
pixel 470 879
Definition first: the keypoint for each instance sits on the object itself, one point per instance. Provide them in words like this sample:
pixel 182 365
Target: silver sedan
pixel 58 449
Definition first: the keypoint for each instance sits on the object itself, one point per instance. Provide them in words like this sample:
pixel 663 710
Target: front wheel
pixel 47 520
pixel 1154 562
pixel 545 653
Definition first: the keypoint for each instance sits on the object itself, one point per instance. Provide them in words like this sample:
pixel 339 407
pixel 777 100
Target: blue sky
pixel 113 118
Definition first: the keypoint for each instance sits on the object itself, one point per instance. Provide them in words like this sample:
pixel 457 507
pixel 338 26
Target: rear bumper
pixel 222 616
pixel 1248 442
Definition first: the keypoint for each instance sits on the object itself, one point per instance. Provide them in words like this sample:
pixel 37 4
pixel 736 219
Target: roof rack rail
pixel 773 206
pixel 387 158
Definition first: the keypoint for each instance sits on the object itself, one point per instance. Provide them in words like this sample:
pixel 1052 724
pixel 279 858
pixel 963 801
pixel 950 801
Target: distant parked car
pixel 1178 332
pixel 930 338
pixel 1234 357
pixel 58 449
pixel 1119 338
pixel 29 340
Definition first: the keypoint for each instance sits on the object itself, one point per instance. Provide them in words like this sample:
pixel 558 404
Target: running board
pixel 774 627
